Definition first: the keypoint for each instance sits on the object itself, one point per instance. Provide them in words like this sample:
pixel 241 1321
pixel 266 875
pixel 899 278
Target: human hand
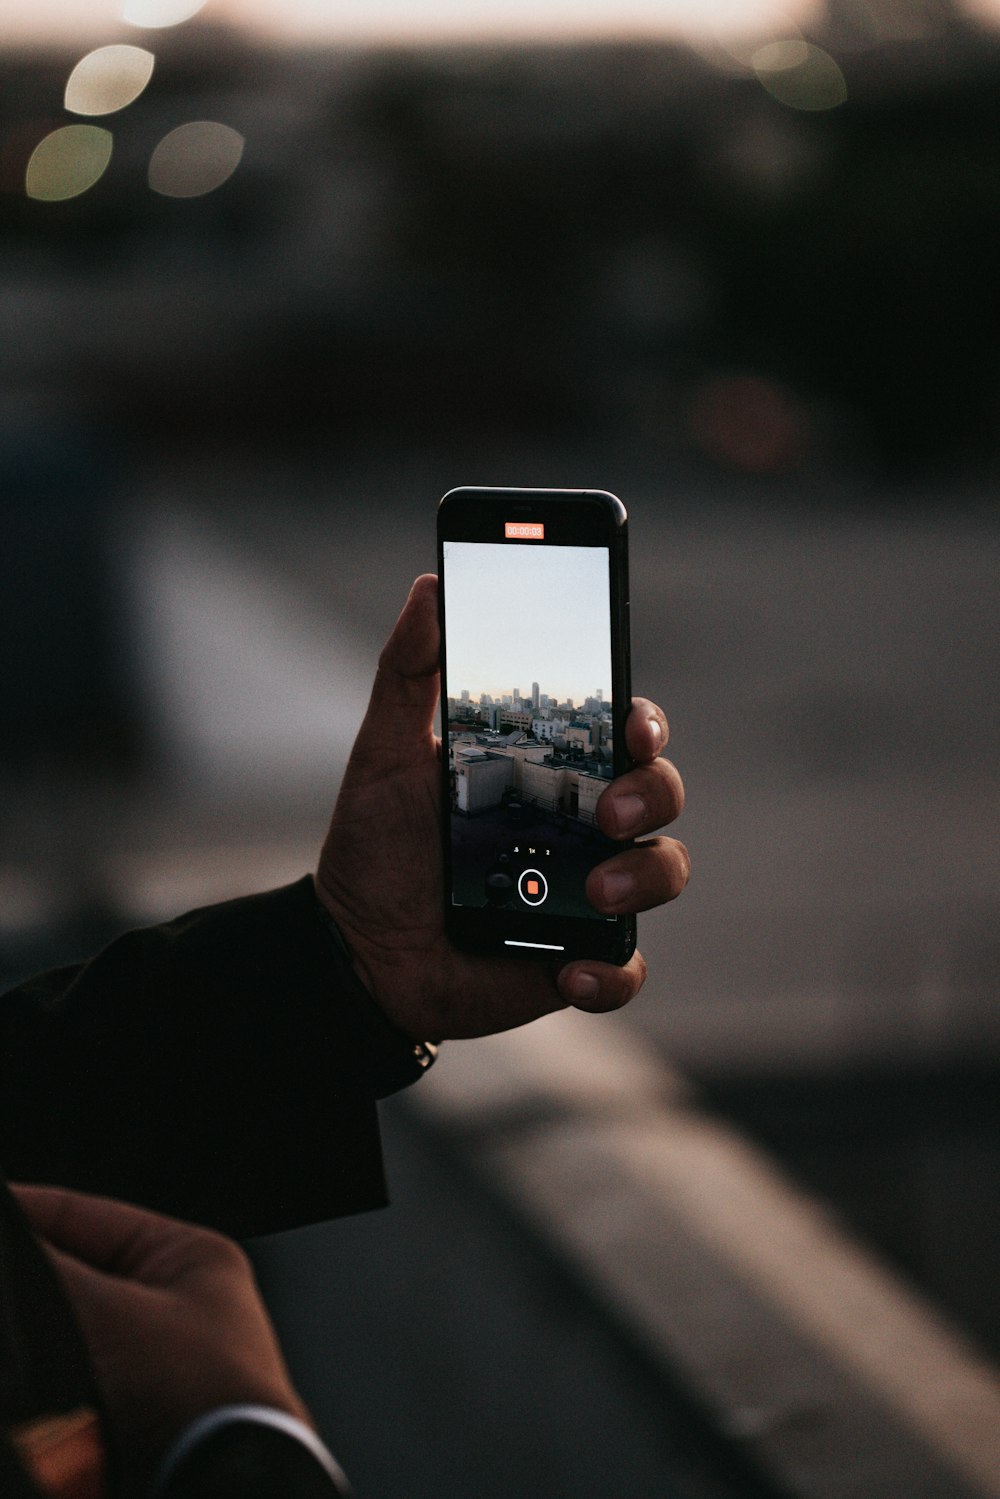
pixel 171 1315
pixel 380 870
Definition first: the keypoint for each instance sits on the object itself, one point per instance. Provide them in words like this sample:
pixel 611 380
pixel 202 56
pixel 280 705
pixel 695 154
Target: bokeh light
pixel 800 75
pixel 108 79
pixel 195 159
pixel 731 38
pixel 159 13
pixel 68 162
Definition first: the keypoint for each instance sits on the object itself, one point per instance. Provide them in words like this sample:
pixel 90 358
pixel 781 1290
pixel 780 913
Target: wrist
pixel 401 1058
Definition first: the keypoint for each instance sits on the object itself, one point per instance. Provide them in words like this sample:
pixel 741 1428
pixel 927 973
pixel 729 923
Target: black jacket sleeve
pixel 223 1068
pixel 250 1460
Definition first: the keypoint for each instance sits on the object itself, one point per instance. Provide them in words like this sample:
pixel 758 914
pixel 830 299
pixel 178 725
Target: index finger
pixel 646 730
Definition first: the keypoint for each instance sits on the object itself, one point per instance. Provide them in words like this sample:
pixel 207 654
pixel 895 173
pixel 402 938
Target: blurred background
pixel 276 274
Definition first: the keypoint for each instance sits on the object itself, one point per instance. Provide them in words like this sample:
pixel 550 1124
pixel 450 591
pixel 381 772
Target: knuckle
pixel 224 1254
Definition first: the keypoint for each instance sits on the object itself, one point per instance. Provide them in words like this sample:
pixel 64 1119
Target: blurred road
pixel 829 670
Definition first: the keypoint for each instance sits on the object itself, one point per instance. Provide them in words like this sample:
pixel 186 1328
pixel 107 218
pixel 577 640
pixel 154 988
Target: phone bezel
pixel 582 517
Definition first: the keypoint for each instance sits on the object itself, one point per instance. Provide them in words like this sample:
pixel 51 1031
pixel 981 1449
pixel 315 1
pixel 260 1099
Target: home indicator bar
pixel 548 946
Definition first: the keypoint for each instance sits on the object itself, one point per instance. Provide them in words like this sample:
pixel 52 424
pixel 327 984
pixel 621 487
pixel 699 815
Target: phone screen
pixel 530 724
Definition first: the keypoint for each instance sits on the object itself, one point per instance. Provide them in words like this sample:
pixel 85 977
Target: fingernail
pixel 657 733
pixel 583 987
pixel 616 888
pixel 629 812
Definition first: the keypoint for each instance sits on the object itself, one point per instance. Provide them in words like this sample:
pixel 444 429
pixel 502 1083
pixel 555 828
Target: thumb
pixel 405 692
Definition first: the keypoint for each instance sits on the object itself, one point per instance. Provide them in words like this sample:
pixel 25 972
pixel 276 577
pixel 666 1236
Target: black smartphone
pixel 535 690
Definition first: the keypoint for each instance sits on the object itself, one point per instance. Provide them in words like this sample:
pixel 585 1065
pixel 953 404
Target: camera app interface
pixel 529 726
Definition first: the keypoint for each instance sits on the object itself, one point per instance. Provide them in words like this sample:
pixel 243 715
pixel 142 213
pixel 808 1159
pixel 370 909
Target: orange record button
pixel 524 530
